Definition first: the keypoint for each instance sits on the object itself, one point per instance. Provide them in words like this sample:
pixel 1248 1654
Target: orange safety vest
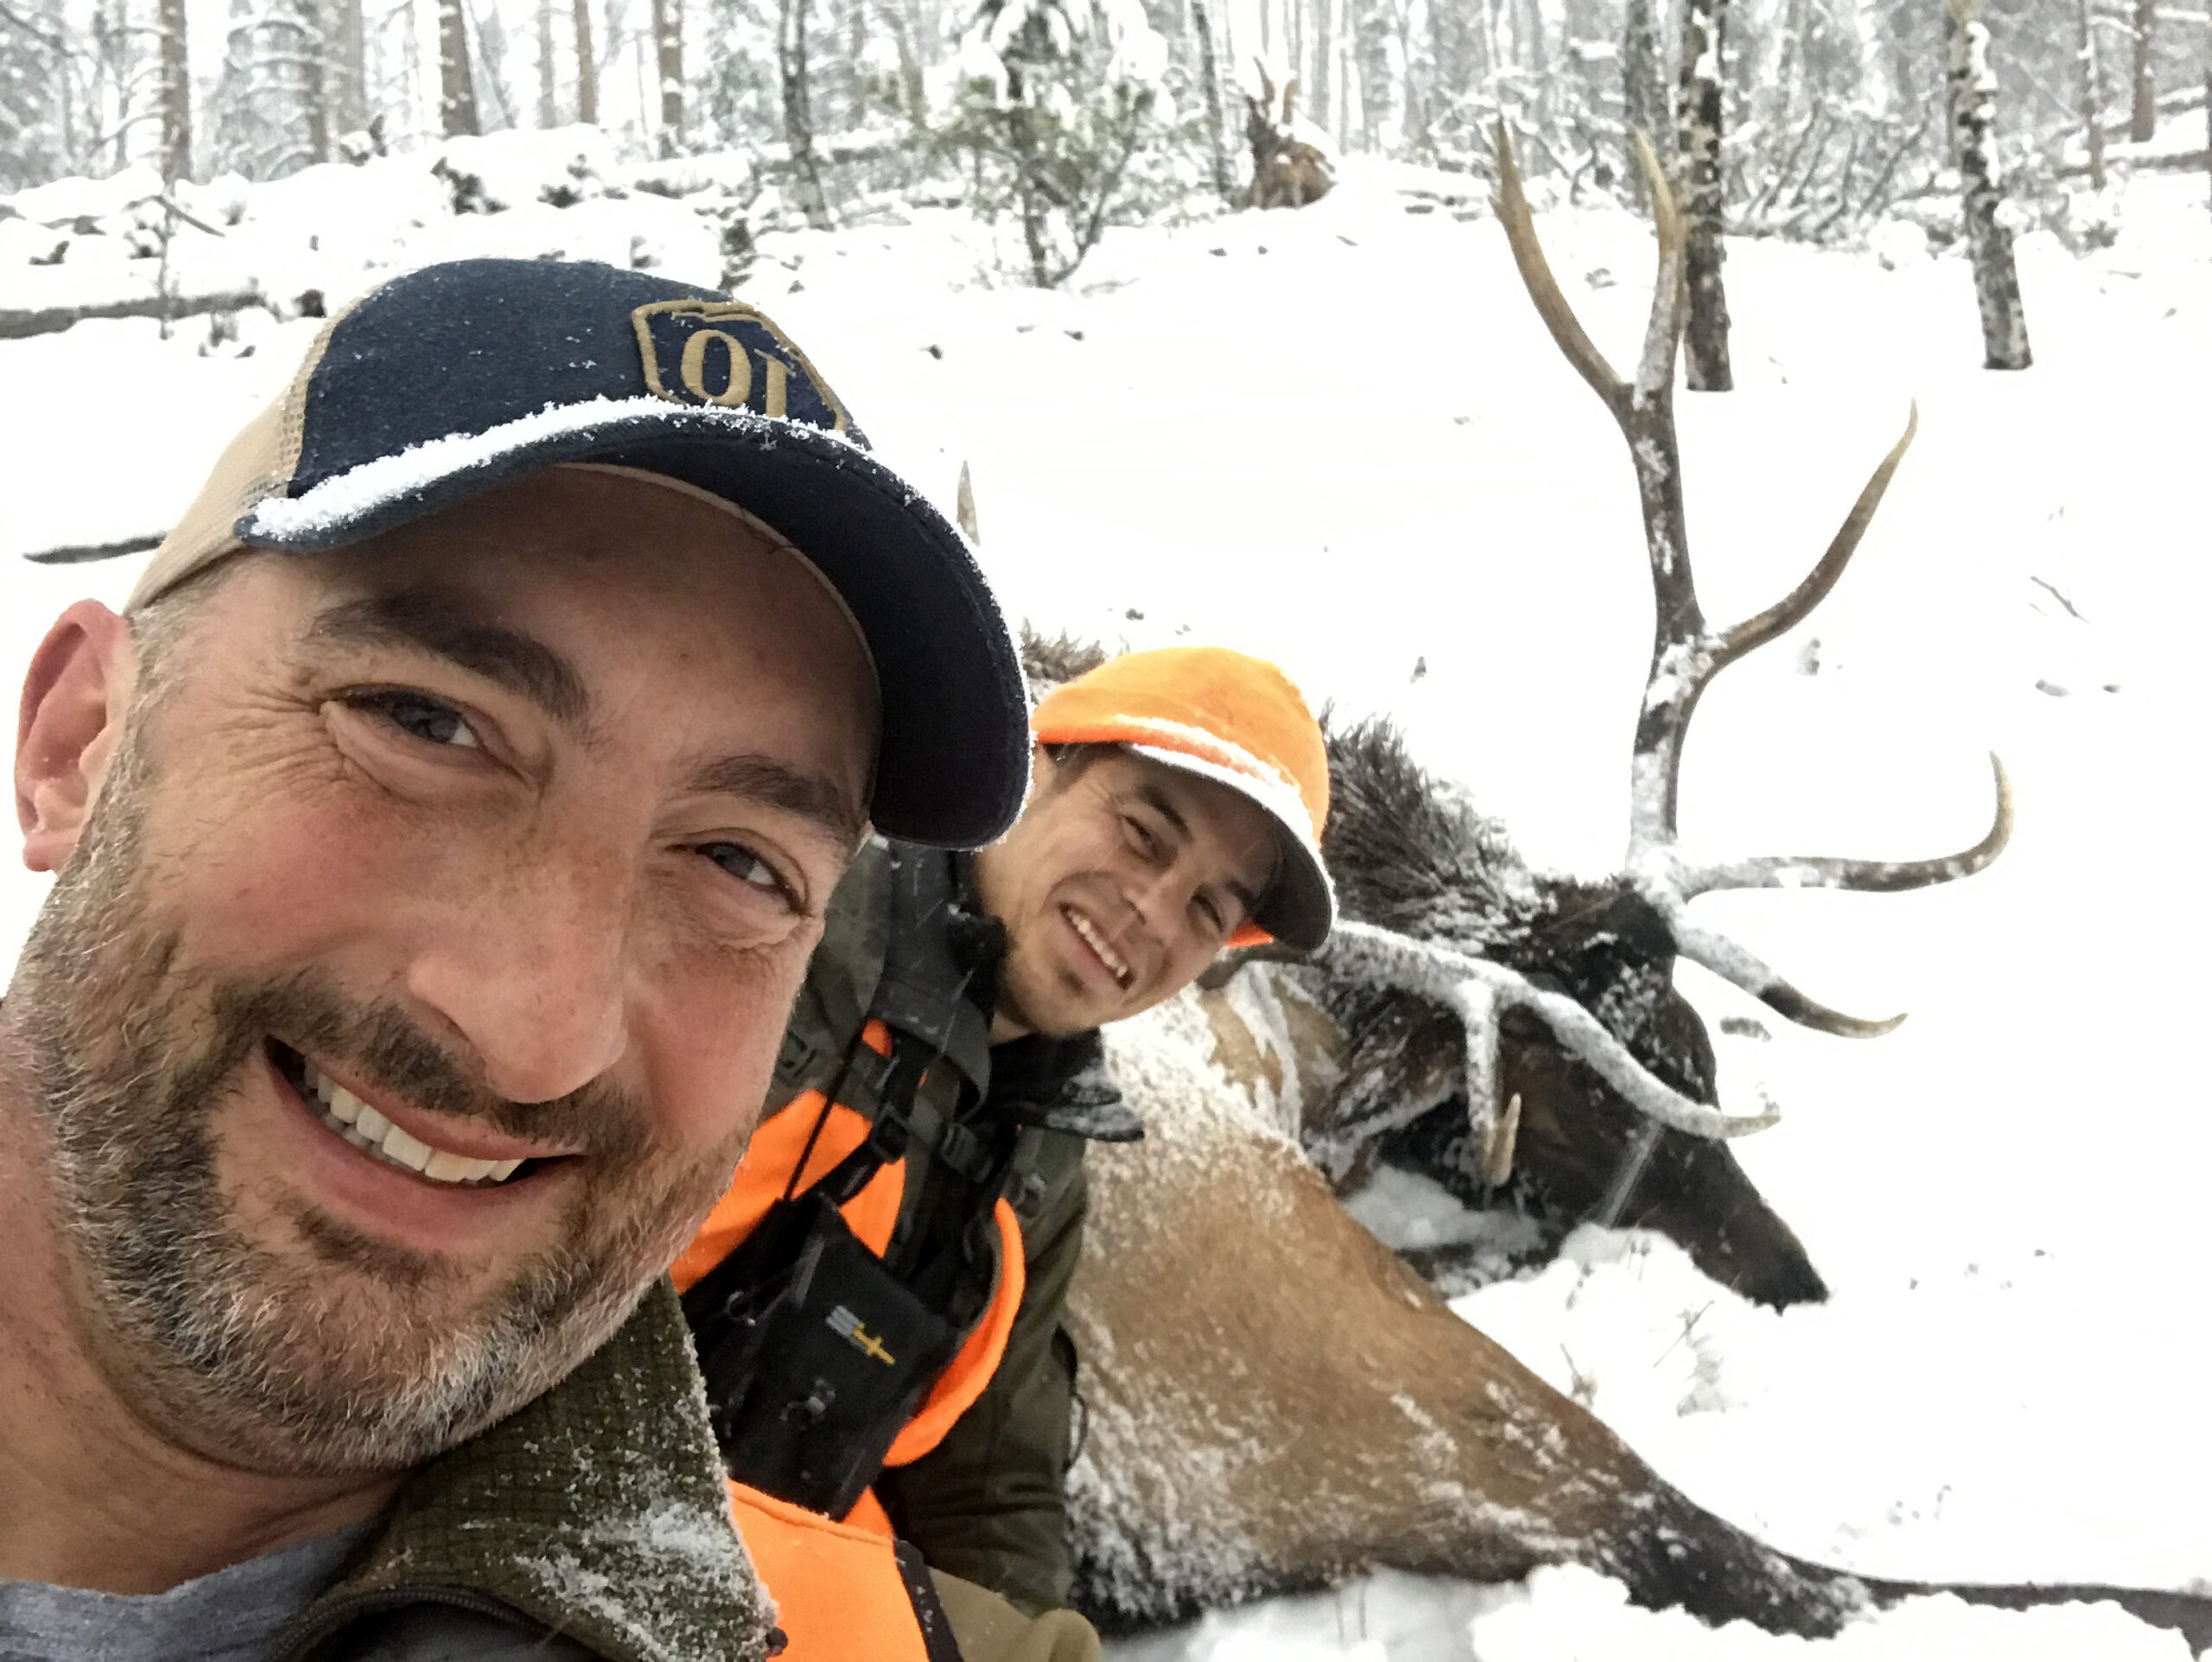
pixel 845 1589
pixel 842 1593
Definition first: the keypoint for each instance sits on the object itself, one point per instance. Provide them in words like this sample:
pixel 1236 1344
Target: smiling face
pixel 413 984
pixel 1120 881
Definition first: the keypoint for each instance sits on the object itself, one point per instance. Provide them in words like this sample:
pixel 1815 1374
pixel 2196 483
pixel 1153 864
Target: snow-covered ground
pixel 1341 438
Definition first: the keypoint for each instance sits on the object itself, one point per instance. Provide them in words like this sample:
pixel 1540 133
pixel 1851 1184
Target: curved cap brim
pixel 1299 907
pixel 954 759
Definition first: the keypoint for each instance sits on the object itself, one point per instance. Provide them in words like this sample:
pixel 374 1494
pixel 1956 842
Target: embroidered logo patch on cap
pixel 723 353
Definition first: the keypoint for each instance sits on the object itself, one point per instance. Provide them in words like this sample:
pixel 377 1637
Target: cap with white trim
pixel 449 379
pixel 1238 721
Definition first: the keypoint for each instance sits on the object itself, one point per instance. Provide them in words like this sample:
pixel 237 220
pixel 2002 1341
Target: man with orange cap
pixel 877 1298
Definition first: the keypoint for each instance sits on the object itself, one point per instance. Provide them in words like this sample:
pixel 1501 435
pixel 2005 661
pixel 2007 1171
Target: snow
pixel 1340 437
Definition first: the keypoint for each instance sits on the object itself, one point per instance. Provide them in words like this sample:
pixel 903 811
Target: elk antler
pixel 1687 652
pixel 965 508
pixel 1478 991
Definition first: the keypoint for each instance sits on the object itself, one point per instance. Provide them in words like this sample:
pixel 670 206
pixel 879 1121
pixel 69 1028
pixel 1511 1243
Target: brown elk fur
pixel 1274 1402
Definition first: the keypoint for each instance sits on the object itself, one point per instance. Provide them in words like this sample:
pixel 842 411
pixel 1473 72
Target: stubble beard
pixel 343 1353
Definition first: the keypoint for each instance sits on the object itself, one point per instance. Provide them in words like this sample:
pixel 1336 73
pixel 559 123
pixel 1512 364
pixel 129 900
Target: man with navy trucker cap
pixel 440 836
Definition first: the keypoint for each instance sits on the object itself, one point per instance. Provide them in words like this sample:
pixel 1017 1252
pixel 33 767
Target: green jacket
pixel 988 1504
pixel 591 1522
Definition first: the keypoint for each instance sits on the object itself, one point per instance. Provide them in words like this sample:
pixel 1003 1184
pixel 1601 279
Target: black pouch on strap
pixel 815 1356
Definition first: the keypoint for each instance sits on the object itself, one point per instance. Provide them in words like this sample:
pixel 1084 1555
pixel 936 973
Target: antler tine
pixel 1792 608
pixel 1732 963
pixel 965 508
pixel 1427 970
pixel 1869 877
pixel 1681 651
pixel 1512 206
pixel 1655 372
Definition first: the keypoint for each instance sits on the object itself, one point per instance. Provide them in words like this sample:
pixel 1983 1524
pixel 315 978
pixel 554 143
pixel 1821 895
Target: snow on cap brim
pixel 1299 907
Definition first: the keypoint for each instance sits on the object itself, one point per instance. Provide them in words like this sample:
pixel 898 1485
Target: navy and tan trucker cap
pixel 452 378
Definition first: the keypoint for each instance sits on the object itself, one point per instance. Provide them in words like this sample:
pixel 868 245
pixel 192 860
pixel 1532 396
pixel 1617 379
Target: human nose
pixel 532 979
pixel 1157 899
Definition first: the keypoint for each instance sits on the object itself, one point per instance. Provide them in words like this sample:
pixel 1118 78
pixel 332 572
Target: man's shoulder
pixel 597 1512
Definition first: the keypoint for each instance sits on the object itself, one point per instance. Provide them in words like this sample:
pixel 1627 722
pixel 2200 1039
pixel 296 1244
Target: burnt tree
pixel 1705 339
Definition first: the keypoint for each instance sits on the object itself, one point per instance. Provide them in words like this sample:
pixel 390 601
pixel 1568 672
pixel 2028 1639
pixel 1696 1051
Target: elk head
pixel 1442 910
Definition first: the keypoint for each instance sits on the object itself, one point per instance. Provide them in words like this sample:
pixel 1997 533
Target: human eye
pixel 422 716
pixel 1214 912
pixel 1141 836
pixel 754 869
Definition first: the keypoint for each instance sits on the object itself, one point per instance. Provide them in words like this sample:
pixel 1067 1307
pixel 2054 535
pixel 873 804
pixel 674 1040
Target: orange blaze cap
pixel 1238 721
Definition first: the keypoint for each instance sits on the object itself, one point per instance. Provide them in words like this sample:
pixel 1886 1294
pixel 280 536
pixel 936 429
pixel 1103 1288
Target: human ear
pixel 74 699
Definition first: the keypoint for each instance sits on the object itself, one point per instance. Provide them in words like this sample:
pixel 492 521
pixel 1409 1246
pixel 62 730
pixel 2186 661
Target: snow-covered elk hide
pixel 1291 162
pixel 1275 1401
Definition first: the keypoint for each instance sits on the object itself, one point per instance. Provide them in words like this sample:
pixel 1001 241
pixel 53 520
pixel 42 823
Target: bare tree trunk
pixel 1320 88
pixel 1528 28
pixel 587 63
pixel 1643 92
pixel 548 114
pixel 314 76
pixel 798 115
pixel 1972 88
pixel 456 87
pixel 2143 124
pixel 668 48
pixel 1706 339
pixel 2093 91
pixel 349 66
pixel 176 94
pixel 1210 73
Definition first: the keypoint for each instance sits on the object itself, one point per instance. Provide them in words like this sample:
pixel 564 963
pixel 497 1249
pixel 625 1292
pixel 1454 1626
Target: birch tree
pixel 1971 86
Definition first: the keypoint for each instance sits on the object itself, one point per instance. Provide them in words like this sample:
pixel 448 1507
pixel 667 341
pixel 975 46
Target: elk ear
pixel 72 717
pixel 1289 100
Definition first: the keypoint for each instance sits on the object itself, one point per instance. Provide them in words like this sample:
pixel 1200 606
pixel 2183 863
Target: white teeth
pixel 409 1151
pixel 1112 959
pixel 370 1131
pixel 460 1168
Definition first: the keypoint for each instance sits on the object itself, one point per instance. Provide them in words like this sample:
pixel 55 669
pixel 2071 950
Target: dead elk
pixel 1275 1401
pixel 1290 164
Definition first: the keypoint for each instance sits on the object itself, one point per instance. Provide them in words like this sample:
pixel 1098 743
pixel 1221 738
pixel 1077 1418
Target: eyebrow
pixel 809 796
pixel 440 625
pixel 1156 799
